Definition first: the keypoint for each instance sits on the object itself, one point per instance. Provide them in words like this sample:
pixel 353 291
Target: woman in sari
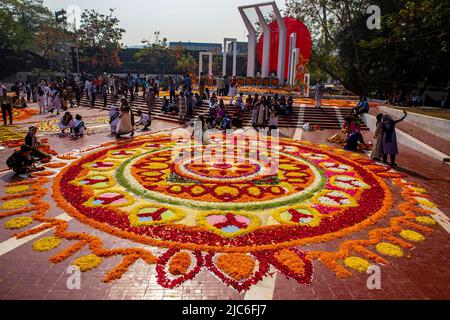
pixel 353 132
pixel 66 123
pixel 126 122
pixel 263 113
pixel 377 149
pixel 390 137
pixel 32 142
pixel 255 108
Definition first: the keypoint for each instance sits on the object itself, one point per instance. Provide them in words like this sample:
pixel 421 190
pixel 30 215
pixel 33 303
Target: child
pixel 114 118
pixel 78 127
pixel 66 122
pixel 273 119
pixel 240 102
pixel 144 120
pixel 165 106
pixel 41 99
pixel 226 122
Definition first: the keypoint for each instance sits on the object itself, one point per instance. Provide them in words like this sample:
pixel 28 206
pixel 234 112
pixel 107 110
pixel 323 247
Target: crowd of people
pixel 223 114
pixel 416 99
pixel 385 138
pixel 264 111
pixel 401 98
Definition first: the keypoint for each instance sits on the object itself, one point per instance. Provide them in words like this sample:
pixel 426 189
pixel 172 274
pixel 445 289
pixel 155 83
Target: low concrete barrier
pixel 407 140
pixel 436 126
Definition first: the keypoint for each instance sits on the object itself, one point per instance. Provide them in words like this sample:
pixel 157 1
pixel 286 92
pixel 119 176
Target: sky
pixel 177 20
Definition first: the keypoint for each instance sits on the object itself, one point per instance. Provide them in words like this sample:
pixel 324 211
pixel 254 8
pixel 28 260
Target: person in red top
pixel 97 84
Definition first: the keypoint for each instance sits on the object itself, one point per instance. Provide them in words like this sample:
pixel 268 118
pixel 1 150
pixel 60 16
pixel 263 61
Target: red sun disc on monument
pixel 303 42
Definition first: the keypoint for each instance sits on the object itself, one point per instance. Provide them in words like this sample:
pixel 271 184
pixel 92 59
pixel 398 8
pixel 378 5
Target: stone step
pixel 326 118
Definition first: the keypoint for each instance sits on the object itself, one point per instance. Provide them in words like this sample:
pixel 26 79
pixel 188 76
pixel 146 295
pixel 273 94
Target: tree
pixel 326 19
pixel 100 36
pixel 20 22
pixel 52 42
pixel 411 48
pixel 158 55
pixel 187 64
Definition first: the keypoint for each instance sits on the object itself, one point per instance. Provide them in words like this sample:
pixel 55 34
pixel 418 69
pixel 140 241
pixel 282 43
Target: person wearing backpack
pixel 78 127
pixel 114 118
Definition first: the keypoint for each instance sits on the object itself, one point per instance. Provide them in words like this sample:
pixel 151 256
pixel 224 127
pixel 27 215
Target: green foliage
pixel 101 35
pixel 157 54
pixel 20 22
pixel 99 30
pixel 411 50
pixel 187 64
pixel 163 59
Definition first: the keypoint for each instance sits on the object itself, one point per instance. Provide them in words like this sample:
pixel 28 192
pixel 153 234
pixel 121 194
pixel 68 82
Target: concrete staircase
pixel 327 118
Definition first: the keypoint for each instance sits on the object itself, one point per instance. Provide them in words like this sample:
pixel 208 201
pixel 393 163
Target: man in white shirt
pixel 87 87
pixel 144 121
pixel 319 93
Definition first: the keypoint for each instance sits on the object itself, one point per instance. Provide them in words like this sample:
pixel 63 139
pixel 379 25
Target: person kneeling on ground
pixel 240 102
pixel 78 127
pixel 114 118
pixel 21 162
pixel 362 107
pixel 66 123
pixel 143 121
pixel 165 105
pixel 32 142
pixel 354 135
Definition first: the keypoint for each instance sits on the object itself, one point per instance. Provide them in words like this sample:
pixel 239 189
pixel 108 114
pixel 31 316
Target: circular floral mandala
pixel 220 199
pixel 239 211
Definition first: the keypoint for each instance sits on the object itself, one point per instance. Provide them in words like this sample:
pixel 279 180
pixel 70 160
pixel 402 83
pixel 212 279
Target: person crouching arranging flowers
pixel 21 161
pixel 32 142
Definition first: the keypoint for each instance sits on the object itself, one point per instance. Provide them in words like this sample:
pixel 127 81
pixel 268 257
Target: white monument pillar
pixel 282 43
pixel 234 58
pixel 252 39
pixel 224 64
pixel 200 63
pixel 265 68
pixel 251 42
pixel 307 83
pixel 292 46
pixel 295 54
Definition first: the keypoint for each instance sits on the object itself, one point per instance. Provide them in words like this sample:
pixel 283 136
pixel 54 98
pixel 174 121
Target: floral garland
pixel 11 137
pixel 394 248
pixel 357 264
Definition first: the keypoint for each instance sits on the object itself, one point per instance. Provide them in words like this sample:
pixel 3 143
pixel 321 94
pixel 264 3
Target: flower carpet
pixel 263 210
pixel 20 114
